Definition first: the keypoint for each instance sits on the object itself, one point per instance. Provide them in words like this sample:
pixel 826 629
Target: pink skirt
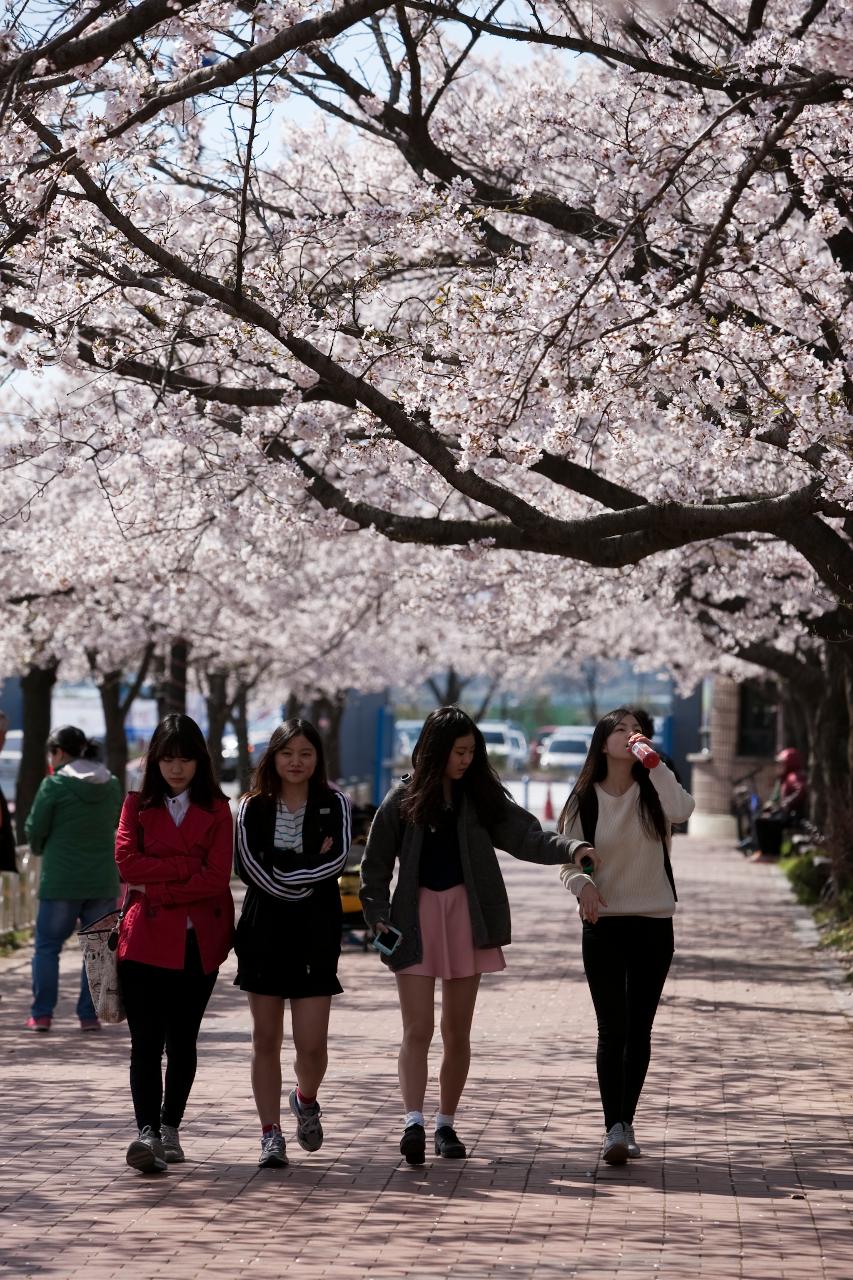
pixel 448 944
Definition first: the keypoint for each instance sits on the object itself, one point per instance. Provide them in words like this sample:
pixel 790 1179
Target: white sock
pixel 441 1120
pixel 413 1117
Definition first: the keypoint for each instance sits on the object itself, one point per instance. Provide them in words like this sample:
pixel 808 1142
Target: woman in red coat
pixel 174 851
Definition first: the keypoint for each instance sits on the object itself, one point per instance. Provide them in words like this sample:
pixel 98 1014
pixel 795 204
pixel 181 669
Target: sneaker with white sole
pixel 146 1152
pixel 615 1149
pixel 172 1144
pixel 273 1152
pixel 633 1147
pixel 309 1131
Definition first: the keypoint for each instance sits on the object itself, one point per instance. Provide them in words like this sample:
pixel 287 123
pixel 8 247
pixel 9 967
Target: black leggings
pixel 626 960
pixel 164 1011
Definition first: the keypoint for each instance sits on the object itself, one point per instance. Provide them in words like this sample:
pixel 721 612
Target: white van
pixel 506 744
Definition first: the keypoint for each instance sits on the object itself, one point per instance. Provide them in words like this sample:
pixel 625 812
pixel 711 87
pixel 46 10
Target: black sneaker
pixel 146 1152
pixel 413 1144
pixel 448 1144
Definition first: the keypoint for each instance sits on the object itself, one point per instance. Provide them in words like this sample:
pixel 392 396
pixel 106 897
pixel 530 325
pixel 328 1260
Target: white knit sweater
pixel 632 876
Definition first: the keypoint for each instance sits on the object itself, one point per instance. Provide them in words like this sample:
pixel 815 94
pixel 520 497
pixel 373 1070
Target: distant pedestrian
pixel 626 811
pixel 71 827
pixel 293 837
pixel 174 852
pixel 786 806
pixel 8 861
pixel 441 825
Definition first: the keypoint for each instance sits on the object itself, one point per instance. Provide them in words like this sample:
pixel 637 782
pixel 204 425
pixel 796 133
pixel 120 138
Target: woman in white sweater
pixel 626 812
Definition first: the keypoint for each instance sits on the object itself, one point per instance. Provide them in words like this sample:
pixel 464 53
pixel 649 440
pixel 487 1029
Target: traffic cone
pixel 548 814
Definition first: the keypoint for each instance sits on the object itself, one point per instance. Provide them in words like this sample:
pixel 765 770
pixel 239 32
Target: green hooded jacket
pixel 72 825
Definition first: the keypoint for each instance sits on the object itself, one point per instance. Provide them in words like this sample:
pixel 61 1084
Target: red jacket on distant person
pixel 793 785
pixel 186 871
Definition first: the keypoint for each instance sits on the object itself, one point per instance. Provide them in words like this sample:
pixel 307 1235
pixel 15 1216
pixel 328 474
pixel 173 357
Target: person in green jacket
pixel 72 826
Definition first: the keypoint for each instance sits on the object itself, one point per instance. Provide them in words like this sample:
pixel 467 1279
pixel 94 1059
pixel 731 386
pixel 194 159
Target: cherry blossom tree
pixel 588 305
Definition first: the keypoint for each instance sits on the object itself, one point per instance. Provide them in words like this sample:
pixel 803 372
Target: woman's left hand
pixel 326 845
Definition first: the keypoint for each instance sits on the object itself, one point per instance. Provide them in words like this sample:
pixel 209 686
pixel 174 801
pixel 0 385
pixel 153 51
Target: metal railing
pixel 19 893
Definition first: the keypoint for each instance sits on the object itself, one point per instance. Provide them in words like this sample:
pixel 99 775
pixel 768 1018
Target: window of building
pixel 757 719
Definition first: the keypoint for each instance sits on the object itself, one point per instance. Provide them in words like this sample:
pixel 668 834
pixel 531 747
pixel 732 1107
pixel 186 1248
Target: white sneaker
pixel 633 1149
pixel 273 1154
pixel 309 1131
pixel 171 1144
pixel 615 1149
pixel 146 1152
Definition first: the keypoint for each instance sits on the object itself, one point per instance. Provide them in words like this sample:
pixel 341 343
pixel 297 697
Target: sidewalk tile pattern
pixel 745 1123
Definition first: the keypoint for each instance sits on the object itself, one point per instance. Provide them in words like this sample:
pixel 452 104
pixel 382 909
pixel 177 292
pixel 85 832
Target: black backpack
pixel 588 813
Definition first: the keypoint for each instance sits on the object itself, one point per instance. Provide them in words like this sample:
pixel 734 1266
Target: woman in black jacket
pixel 450 904
pixel 292 840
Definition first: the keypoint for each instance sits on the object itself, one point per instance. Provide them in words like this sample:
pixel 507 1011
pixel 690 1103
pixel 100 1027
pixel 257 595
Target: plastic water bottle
pixel 646 755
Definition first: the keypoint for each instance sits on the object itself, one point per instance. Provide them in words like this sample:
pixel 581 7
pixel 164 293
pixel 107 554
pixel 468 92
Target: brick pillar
pixel 713 769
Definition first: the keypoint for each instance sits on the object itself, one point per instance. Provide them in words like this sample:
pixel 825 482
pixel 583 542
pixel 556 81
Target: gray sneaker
pixel 633 1149
pixel 615 1149
pixel 309 1131
pixel 273 1154
pixel 172 1144
pixel 146 1152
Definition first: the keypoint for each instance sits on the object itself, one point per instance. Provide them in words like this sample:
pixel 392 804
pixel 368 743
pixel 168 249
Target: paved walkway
pixel 745 1124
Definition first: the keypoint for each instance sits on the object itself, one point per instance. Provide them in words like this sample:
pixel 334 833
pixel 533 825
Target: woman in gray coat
pixel 442 824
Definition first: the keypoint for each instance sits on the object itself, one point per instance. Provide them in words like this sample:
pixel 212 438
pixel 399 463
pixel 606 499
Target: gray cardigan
pixel 517 832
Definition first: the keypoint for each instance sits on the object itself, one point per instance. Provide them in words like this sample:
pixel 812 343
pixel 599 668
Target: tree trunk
pixel 326 714
pixel 175 698
pixel 240 721
pixel 218 714
pixel 451 692
pixel 832 807
pixel 37 691
pixel 115 714
pixel 293 706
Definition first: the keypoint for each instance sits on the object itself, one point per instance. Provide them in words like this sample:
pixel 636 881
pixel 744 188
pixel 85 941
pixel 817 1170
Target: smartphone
pixel 388 942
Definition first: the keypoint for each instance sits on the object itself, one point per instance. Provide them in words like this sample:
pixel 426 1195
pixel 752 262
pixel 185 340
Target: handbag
pixel 99 944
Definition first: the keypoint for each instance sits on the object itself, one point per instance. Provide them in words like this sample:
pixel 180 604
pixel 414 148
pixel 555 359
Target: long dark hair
pixel 595 770
pixel 266 781
pixel 178 735
pixel 424 796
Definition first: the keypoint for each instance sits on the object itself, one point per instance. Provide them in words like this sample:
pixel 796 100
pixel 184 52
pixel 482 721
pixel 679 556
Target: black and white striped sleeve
pixel 295 884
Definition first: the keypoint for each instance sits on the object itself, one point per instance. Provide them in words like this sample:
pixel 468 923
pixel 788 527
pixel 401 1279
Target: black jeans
pixel 164 1011
pixel 626 960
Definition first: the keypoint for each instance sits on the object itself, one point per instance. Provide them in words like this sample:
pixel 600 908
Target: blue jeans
pixel 56 921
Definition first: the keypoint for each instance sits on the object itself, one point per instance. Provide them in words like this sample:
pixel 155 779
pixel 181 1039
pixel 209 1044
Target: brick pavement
pixel 745 1124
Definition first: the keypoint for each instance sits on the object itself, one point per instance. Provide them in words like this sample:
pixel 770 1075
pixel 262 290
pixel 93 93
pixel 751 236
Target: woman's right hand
pixel 590 900
pixel 380 927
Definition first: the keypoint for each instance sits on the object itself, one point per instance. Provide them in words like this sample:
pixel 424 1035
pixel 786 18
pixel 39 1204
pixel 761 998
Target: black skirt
pixel 289 949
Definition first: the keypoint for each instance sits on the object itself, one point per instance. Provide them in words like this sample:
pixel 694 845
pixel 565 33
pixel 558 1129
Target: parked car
pixel 567 750
pixel 10 764
pixel 537 742
pixel 257 743
pixel 504 743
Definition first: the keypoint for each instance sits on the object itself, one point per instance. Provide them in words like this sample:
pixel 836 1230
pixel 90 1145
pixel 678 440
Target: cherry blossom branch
pixel 228 71
pixel 745 175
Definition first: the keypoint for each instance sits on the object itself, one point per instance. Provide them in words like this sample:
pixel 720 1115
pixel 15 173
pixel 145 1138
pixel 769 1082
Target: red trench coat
pixel 186 872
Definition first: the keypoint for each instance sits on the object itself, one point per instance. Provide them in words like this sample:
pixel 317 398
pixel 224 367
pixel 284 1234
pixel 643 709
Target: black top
pixel 441 860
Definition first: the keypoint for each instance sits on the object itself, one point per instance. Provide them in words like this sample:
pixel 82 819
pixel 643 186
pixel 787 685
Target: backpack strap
pixel 588 814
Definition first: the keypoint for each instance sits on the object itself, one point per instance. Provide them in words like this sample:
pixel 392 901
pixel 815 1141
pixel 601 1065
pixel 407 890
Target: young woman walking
pixel 173 850
pixel 293 837
pixel 442 825
pixel 72 827
pixel 626 811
